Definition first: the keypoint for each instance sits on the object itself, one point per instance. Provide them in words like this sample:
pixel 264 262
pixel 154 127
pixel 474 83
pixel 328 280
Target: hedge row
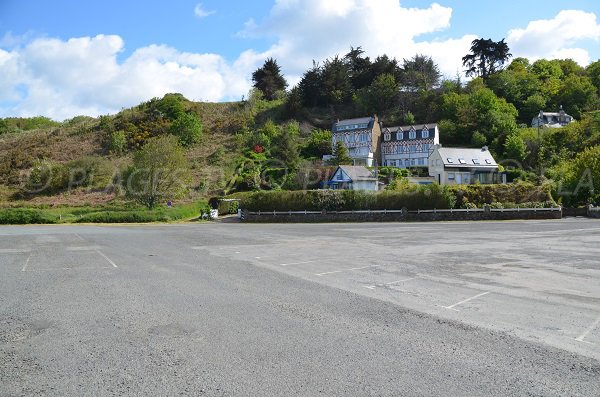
pixel 415 197
pixel 22 216
pixel 419 197
pixel 517 193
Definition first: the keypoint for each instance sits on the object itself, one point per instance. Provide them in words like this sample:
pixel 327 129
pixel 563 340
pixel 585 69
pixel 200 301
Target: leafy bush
pixel 517 193
pixel 22 216
pixel 118 142
pixel 188 128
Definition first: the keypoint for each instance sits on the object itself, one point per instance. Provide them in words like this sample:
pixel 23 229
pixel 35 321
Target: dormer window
pixel 462 161
pixel 425 134
pixel 450 160
pixel 412 134
pixel 476 161
pixel 488 161
pixel 399 136
pixel 387 136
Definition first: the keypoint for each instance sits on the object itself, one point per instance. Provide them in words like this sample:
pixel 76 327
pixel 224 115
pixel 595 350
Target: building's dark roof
pixel 473 158
pixel 354 124
pixel 355 173
pixel 407 128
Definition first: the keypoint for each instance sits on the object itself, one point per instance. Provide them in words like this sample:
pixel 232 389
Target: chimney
pixel 484 149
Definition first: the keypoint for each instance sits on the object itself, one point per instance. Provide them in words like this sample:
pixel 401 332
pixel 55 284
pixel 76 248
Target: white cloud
pixel 200 12
pixel 554 38
pixel 318 29
pixel 62 79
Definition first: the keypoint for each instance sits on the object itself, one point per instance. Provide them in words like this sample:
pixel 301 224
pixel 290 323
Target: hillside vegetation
pixel 277 143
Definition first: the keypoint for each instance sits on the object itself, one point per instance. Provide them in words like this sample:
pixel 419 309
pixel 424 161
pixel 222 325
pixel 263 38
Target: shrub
pixel 188 128
pixel 23 216
pixel 118 142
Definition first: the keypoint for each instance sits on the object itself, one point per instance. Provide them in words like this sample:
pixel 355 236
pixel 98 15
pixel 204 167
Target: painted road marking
pixel 107 258
pixel 68 268
pixel 299 263
pixel 26 263
pixel 346 270
pixel 14 250
pixel 588 330
pixel 79 237
pixel 451 307
pixel 391 283
pixel 85 248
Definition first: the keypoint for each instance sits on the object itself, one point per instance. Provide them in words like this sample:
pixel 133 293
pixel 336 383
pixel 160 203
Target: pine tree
pixel 340 155
pixel 269 79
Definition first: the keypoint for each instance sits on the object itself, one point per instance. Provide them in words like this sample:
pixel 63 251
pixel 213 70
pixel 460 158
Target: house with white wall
pixel 361 137
pixel 409 145
pixel 456 166
pixel 353 177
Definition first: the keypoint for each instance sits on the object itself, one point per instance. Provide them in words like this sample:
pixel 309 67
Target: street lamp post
pixel 539 126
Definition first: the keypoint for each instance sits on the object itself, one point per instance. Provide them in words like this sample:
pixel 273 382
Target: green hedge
pixel 512 193
pixel 123 217
pixel 22 216
pixel 419 197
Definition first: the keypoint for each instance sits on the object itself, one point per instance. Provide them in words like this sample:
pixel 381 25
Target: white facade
pixel 360 137
pixel 408 146
pixel 463 166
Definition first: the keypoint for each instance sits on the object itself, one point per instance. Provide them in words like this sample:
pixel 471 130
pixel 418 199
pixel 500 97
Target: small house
pixel 353 177
pixel 551 119
pixel 456 166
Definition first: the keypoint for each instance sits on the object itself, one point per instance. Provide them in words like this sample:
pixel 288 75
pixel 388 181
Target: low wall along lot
pixel 403 215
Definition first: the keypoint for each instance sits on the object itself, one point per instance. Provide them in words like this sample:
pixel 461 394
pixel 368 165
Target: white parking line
pixel 88 248
pixel 107 258
pixel 451 307
pixel 299 263
pixel 346 270
pixel 391 283
pixel 26 263
pixel 588 330
pixel 14 250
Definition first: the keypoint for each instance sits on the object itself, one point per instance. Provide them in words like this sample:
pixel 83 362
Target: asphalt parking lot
pixel 460 308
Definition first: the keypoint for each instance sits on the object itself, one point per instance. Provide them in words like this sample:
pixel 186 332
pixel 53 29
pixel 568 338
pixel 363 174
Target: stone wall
pixel 400 216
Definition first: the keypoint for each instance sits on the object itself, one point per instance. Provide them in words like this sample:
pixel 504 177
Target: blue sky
pixel 62 58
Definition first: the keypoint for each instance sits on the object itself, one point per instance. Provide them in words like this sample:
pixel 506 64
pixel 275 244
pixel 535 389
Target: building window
pixel 426 147
pixel 450 160
pixel 386 137
pixel 399 136
pixel 407 163
pixel 413 162
pixel 413 149
pixel 451 176
pixel 462 161
pixel 421 161
pixel 412 134
pixel 476 161
pixel 425 134
pixel 488 161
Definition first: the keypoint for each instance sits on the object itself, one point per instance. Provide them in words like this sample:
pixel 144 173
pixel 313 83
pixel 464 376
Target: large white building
pixel 408 146
pixel 361 136
pixel 456 166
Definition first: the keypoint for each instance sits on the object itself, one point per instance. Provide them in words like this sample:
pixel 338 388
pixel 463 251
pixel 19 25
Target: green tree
pixel 380 95
pixel 486 57
pixel 336 81
pixel 188 128
pixel 515 148
pixel 340 155
pixel 478 139
pixel 268 79
pixel 579 179
pixel 285 145
pixel 420 73
pixel 311 87
pixel 359 68
pixel 319 143
pixel 593 72
pixel 159 172
pixel 577 95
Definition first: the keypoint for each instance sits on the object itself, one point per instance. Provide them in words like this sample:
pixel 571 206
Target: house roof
pixel 356 173
pixel 466 157
pixel 406 128
pixel 354 122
